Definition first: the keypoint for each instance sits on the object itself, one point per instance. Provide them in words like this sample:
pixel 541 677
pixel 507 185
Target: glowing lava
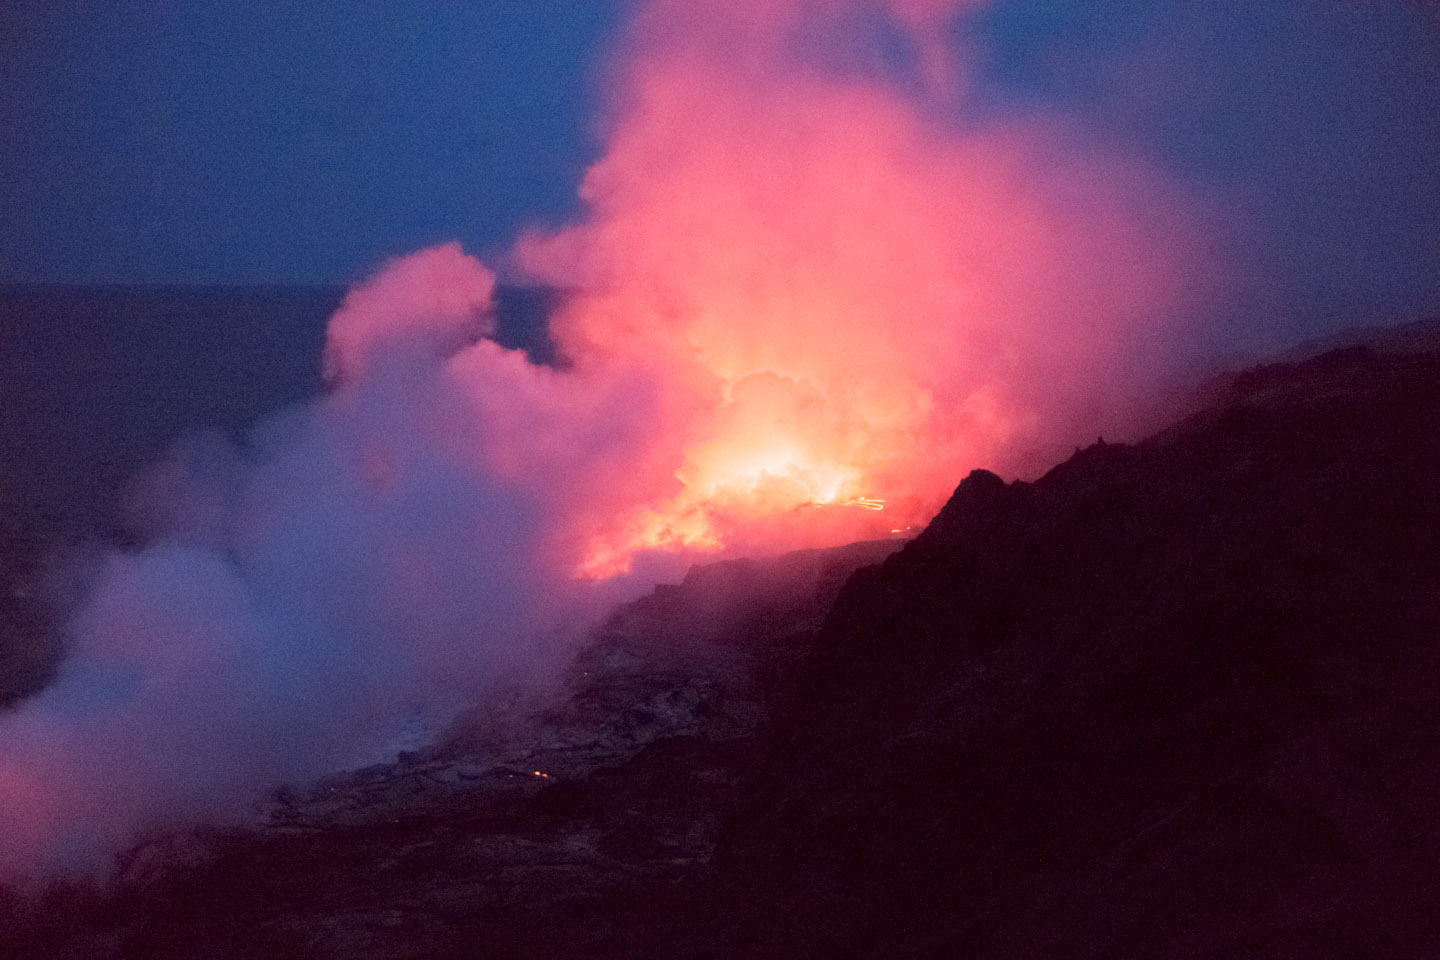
pixel 834 293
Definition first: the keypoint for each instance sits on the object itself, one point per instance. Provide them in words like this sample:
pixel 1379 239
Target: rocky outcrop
pixel 1173 700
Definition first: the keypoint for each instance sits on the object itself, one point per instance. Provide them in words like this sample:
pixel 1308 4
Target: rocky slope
pixel 1180 699
pixel 537 831
pixel 1175 699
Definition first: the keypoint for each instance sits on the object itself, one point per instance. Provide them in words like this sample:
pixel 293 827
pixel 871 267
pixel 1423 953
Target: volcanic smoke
pixel 809 294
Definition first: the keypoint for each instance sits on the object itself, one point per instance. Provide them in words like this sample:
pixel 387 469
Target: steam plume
pixel 840 290
pixel 805 289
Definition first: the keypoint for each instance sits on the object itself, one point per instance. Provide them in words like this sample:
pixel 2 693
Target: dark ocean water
pixel 97 382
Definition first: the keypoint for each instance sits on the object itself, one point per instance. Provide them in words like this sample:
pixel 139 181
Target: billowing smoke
pixel 808 295
pixel 841 293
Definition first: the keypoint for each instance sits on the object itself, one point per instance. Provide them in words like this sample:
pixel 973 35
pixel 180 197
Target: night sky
pixel 304 143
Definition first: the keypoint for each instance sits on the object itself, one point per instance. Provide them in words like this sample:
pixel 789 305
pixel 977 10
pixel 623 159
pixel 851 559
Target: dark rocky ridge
pixel 1174 699
pixel 1180 699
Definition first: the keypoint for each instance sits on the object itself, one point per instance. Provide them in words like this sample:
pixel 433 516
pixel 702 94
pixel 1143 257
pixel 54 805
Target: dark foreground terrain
pixel 1177 699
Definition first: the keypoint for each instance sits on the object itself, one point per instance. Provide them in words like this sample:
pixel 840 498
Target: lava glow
pixel 836 294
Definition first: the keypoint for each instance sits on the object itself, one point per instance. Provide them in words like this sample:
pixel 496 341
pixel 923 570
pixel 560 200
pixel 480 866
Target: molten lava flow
pixel 726 492
pixel 753 473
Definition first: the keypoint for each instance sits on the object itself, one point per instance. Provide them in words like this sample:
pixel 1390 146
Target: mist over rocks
pixel 359 566
pixel 526 812
pixel 1171 699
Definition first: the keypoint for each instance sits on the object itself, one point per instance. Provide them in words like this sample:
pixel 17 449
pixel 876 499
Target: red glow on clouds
pixel 795 290
pixel 435 297
pixel 834 293
pixel 799 294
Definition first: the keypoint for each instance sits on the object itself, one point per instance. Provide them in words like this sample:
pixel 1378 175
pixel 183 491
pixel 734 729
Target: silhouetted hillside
pixel 1180 699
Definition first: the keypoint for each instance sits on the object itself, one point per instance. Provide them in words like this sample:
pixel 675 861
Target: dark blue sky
pixel 199 140
pixel 202 140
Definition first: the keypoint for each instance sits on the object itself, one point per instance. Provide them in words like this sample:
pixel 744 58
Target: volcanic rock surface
pixel 1176 699
pixel 1180 699
pixel 545 827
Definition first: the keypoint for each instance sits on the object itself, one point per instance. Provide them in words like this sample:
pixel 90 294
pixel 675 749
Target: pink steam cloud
pixel 934 295
pixel 438 297
pixel 798 294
